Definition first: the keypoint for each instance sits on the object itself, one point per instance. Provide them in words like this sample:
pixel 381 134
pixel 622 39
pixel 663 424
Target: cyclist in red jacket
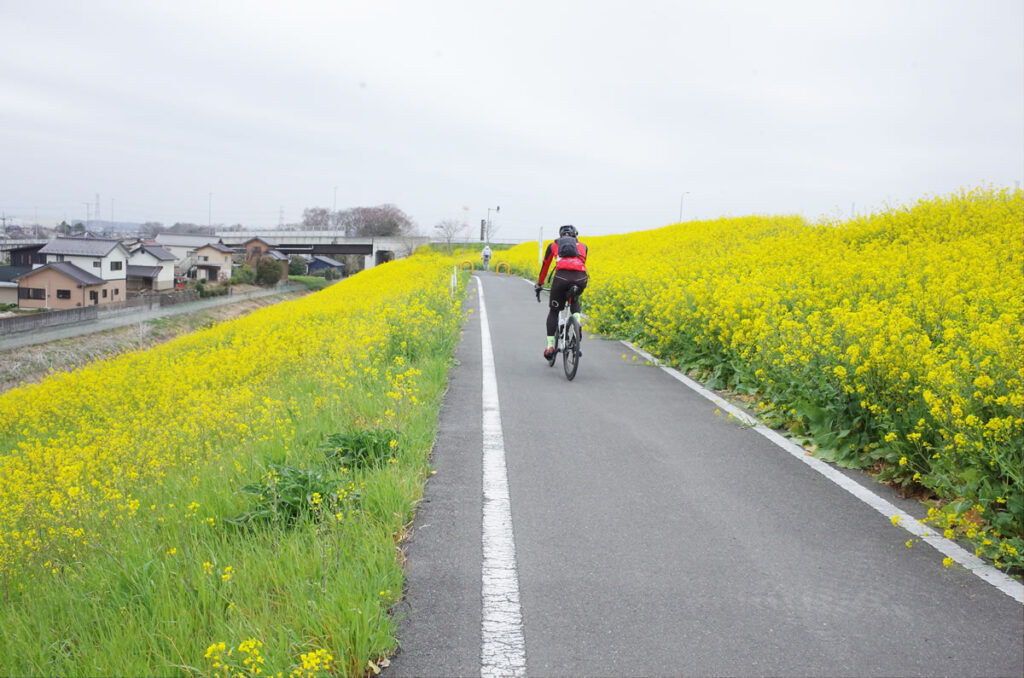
pixel 570 257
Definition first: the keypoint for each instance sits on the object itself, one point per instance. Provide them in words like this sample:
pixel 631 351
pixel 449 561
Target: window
pixel 104 294
pixel 93 296
pixel 116 265
pixel 116 291
pixel 96 264
pixel 204 258
pixel 63 294
pixel 31 293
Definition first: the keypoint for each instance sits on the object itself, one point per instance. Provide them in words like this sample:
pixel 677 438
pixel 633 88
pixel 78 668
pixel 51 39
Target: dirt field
pixel 31 363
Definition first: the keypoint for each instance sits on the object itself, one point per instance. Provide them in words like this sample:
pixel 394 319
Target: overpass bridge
pixel 375 250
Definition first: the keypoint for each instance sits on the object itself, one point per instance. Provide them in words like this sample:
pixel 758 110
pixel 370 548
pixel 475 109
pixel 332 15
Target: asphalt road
pixel 654 537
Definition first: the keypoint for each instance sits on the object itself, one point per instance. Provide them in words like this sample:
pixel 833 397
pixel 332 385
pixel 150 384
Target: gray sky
pixel 598 113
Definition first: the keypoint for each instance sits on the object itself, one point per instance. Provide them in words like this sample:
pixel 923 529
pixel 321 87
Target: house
pixel 256 248
pixel 63 284
pixel 8 293
pixel 28 256
pixel 106 259
pixel 181 246
pixel 213 262
pixel 9 273
pixel 150 269
pixel 322 263
pixel 184 247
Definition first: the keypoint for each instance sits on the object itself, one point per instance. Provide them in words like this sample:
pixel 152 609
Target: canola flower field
pixel 892 342
pixel 228 503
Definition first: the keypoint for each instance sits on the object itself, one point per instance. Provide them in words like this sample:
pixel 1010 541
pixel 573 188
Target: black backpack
pixel 567 247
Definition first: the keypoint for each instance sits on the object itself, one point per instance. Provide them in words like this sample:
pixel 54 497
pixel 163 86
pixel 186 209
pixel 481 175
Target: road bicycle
pixel 568 336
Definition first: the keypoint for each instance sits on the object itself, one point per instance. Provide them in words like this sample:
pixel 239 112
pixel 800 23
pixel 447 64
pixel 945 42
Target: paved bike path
pixel 655 537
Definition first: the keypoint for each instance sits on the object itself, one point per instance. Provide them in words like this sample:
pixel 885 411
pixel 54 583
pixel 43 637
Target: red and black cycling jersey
pixel 577 263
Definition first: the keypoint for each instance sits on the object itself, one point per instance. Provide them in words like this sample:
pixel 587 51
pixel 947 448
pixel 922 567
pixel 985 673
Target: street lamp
pixel 685 193
pixel 496 210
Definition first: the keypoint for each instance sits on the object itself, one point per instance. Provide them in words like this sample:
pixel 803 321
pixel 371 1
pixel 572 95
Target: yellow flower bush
pixel 893 341
pixel 118 482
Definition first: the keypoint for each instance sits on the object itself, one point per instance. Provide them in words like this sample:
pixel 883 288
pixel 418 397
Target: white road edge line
pixel 997 578
pixel 503 648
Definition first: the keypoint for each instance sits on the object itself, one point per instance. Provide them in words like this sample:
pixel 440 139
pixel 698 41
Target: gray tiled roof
pixel 84 247
pixel 220 248
pixel 70 270
pixel 8 273
pixel 327 260
pixel 159 252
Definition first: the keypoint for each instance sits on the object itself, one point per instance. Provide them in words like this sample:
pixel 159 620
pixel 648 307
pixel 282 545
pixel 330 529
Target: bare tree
pixel 447 230
pixel 490 229
pixel 379 221
pixel 316 219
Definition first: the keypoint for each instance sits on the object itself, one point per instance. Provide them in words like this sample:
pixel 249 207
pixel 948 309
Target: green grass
pixel 158 599
pixel 311 282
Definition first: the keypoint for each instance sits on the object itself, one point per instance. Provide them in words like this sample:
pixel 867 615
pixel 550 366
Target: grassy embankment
pixel 230 500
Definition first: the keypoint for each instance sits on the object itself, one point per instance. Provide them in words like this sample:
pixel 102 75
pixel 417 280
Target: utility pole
pixel 685 193
pixel 209 211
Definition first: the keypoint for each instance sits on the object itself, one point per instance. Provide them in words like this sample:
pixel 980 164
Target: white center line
pixel 503 649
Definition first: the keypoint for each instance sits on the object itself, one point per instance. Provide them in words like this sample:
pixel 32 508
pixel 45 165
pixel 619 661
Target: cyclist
pixel 570 257
pixel 485 256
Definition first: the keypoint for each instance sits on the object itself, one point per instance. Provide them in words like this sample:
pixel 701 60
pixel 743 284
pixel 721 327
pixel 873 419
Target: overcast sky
pixel 607 115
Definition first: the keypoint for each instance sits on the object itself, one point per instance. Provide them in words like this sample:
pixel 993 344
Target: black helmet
pixel 567 230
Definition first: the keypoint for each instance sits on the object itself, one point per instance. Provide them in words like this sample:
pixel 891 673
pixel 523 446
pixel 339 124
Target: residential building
pixel 8 292
pixel 28 256
pixel 213 262
pixel 257 248
pixel 150 269
pixel 184 247
pixel 104 258
pixel 321 263
pixel 62 284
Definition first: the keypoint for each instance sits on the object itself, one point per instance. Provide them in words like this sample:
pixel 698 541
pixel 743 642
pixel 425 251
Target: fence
pixel 146 302
pixel 35 321
pixel 25 323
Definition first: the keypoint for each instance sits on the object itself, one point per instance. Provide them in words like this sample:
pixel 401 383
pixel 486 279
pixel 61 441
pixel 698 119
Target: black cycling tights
pixel 560 284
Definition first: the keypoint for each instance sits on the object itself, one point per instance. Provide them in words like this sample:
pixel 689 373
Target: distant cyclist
pixel 570 257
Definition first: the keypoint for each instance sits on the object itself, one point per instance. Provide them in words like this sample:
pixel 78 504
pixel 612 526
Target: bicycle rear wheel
pixel 571 353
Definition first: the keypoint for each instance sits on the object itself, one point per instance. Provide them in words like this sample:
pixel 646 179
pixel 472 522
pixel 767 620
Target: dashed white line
pixel 503 649
pixel 997 578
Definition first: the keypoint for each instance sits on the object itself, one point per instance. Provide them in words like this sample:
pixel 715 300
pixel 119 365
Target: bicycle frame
pixel 567 337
